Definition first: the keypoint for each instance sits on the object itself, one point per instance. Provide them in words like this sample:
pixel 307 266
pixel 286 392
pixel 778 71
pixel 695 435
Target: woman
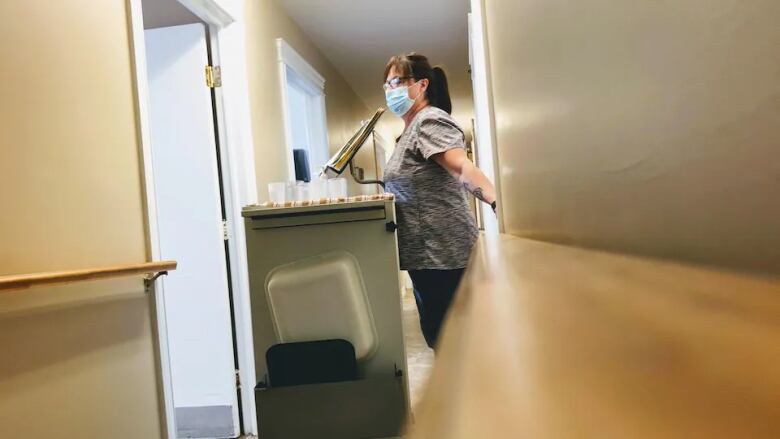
pixel 429 173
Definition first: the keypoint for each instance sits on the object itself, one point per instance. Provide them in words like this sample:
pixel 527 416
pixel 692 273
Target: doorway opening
pixel 190 217
pixel 191 197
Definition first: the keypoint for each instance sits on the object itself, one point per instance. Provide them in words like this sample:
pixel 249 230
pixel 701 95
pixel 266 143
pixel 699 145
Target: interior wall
pixel 77 361
pixel 266 21
pixel 641 127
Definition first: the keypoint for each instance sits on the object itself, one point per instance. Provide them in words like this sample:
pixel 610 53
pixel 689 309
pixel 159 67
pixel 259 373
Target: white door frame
pixel 479 55
pixel 226 30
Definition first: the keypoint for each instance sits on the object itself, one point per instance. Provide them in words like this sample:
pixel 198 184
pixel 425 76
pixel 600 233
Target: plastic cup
pixel 289 191
pixel 319 189
pixel 302 191
pixel 337 188
pixel 276 192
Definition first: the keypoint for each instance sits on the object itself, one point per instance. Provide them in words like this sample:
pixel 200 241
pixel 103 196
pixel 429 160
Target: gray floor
pixel 200 422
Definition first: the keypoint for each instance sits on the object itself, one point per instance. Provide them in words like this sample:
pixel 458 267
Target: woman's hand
pixel 457 163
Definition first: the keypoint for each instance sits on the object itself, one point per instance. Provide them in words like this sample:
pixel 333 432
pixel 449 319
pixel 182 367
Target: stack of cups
pixel 317 190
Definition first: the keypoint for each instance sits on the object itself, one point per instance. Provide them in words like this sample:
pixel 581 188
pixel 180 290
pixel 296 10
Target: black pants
pixel 433 292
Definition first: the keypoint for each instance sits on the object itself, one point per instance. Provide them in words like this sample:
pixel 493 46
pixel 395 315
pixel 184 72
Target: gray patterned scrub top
pixel 436 228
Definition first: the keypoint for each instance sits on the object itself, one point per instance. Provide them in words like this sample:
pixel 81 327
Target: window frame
pixel 291 61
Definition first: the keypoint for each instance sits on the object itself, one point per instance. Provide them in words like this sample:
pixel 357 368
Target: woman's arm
pixel 457 163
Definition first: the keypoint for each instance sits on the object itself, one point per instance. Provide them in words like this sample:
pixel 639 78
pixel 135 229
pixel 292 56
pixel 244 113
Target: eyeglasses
pixel 395 82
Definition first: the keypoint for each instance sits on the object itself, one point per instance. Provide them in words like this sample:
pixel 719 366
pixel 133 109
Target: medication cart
pixel 322 272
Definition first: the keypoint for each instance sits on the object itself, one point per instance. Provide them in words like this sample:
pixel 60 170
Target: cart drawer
pixel 317 217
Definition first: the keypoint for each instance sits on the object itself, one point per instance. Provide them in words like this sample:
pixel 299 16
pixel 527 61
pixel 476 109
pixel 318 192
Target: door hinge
pixel 213 76
pixel 225 230
pixel 238 379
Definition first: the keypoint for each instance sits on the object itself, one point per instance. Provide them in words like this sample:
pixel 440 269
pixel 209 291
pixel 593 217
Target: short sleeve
pixel 437 134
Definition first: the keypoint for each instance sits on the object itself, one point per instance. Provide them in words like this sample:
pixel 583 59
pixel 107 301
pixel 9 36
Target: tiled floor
pixel 419 356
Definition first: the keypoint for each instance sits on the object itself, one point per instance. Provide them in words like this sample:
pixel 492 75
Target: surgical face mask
pixel 398 100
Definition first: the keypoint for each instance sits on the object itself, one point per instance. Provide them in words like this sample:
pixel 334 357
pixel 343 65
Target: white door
pixel 189 206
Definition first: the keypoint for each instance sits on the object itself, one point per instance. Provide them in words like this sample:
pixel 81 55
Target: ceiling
pixel 358 37
pixel 164 13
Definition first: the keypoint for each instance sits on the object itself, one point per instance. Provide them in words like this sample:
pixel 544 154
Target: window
pixel 304 110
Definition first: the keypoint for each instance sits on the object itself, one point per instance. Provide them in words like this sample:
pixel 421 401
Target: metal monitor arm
pixel 339 162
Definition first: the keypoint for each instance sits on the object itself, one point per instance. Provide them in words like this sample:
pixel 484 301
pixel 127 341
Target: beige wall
pixel 266 21
pixel 77 361
pixel 642 127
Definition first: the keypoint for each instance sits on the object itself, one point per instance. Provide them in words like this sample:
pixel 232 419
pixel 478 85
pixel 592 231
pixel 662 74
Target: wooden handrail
pixel 551 341
pixel 19 281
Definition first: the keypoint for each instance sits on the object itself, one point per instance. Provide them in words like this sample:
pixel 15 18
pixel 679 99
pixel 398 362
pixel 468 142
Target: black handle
pixel 391 226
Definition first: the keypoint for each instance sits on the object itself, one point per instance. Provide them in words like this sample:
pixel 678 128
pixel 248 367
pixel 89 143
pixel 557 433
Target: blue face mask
pixel 398 100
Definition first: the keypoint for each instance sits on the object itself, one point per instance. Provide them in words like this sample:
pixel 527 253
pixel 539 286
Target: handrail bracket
pixel 149 280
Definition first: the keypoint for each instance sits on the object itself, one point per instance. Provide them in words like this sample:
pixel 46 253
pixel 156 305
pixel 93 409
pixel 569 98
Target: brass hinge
pixel 213 76
pixel 238 380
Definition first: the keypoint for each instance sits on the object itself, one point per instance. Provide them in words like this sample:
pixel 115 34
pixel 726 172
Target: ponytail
pixel 418 67
pixel 439 91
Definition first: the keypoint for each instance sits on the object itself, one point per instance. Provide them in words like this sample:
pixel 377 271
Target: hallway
pixel 626 285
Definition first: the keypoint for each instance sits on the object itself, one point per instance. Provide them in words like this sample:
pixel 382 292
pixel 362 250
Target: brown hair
pixel 418 67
